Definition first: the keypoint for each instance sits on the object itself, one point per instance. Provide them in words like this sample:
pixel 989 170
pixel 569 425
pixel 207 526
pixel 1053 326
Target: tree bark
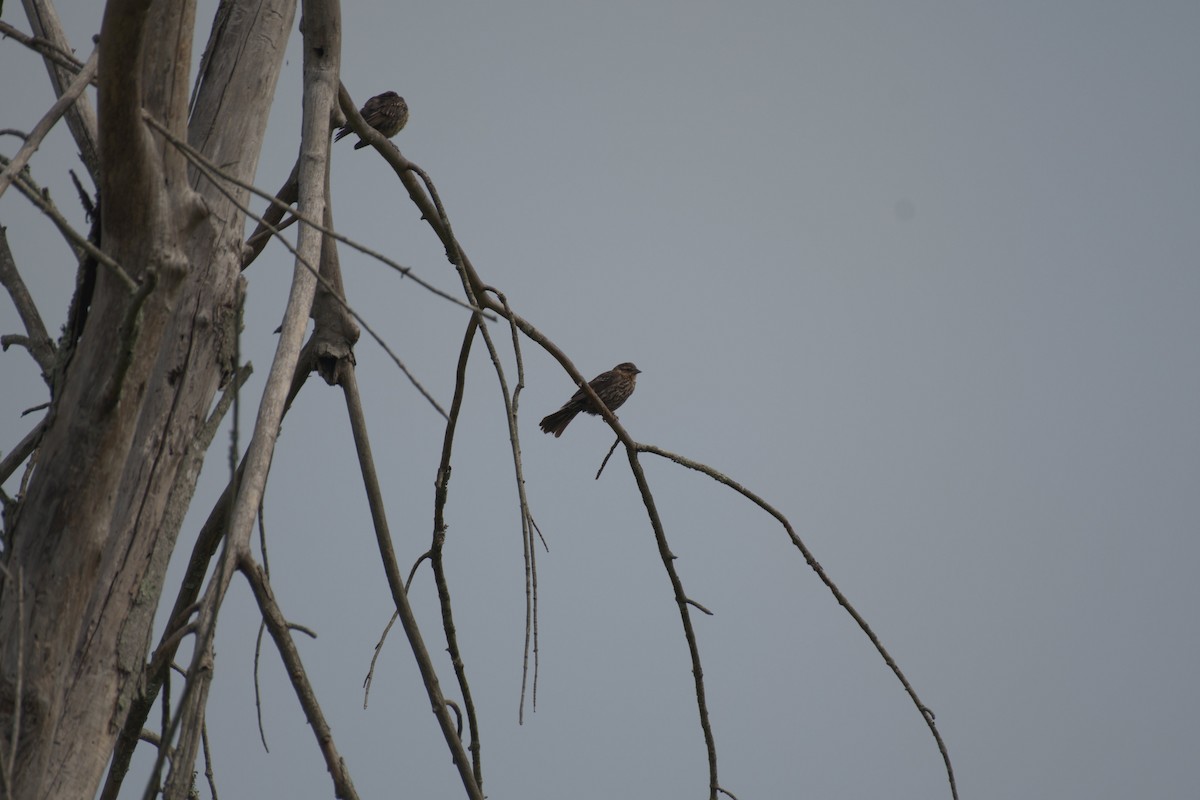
pixel 92 537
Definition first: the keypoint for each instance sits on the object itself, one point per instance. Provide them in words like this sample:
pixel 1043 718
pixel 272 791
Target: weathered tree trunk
pixel 92 538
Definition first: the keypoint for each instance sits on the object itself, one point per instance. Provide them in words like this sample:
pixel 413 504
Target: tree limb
pixel 41 347
pixel 81 119
pixel 48 121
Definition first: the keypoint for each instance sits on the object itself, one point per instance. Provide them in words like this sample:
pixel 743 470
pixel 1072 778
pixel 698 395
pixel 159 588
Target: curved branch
pixel 816 567
pixel 441 490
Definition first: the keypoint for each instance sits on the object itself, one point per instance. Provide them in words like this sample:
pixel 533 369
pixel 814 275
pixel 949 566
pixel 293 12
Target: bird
pixel 386 113
pixel 613 387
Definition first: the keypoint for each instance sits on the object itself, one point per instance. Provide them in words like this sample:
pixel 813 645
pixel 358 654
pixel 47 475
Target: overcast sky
pixel 924 275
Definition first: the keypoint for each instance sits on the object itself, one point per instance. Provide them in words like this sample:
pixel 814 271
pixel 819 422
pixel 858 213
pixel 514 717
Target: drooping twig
pixel 527 528
pixel 441 489
pixel 607 456
pixel 370 678
pixel 433 212
pixel 843 601
pixel 424 195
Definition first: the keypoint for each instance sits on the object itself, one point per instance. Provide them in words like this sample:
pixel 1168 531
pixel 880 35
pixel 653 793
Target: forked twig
pixel 280 632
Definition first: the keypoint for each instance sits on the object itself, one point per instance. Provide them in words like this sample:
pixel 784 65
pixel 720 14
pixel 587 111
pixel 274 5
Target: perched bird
pixel 613 387
pixel 386 113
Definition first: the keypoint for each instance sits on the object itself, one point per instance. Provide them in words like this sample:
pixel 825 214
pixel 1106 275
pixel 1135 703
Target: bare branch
pixel 607 456
pixel 44 47
pixel 35 137
pixel 527 532
pixel 41 199
pixel 698 607
pixel 81 119
pixel 208 770
pixel 277 625
pixel 367 681
pixel 391 568
pixel 441 489
pixel 843 601
pixel 16 456
pixel 269 225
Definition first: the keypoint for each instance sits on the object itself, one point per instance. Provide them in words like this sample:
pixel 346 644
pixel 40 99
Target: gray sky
pixel 923 275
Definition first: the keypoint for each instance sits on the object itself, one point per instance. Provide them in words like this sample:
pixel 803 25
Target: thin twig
pixel 44 47
pixel 665 554
pixel 698 607
pixel 41 199
pixel 278 627
pixel 843 601
pixel 441 490
pixel 528 544
pixel 208 770
pixel 424 194
pixel 367 681
pixel 40 346
pixel 47 28
pixel 48 121
pixel 262 731
pixel 607 456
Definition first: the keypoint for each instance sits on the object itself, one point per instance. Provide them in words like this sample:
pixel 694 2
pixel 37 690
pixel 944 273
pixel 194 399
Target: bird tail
pixel 557 422
pixel 342 131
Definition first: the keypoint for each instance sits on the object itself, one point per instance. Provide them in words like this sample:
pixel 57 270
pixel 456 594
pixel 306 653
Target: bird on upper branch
pixel 386 113
pixel 612 387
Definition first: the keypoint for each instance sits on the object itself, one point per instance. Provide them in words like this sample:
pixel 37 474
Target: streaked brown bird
pixel 386 113
pixel 613 387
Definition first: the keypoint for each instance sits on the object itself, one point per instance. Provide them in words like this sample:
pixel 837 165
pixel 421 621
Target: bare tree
pixel 116 458
pixel 151 339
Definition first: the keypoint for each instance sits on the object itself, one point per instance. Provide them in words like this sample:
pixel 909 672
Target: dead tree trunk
pixel 116 467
